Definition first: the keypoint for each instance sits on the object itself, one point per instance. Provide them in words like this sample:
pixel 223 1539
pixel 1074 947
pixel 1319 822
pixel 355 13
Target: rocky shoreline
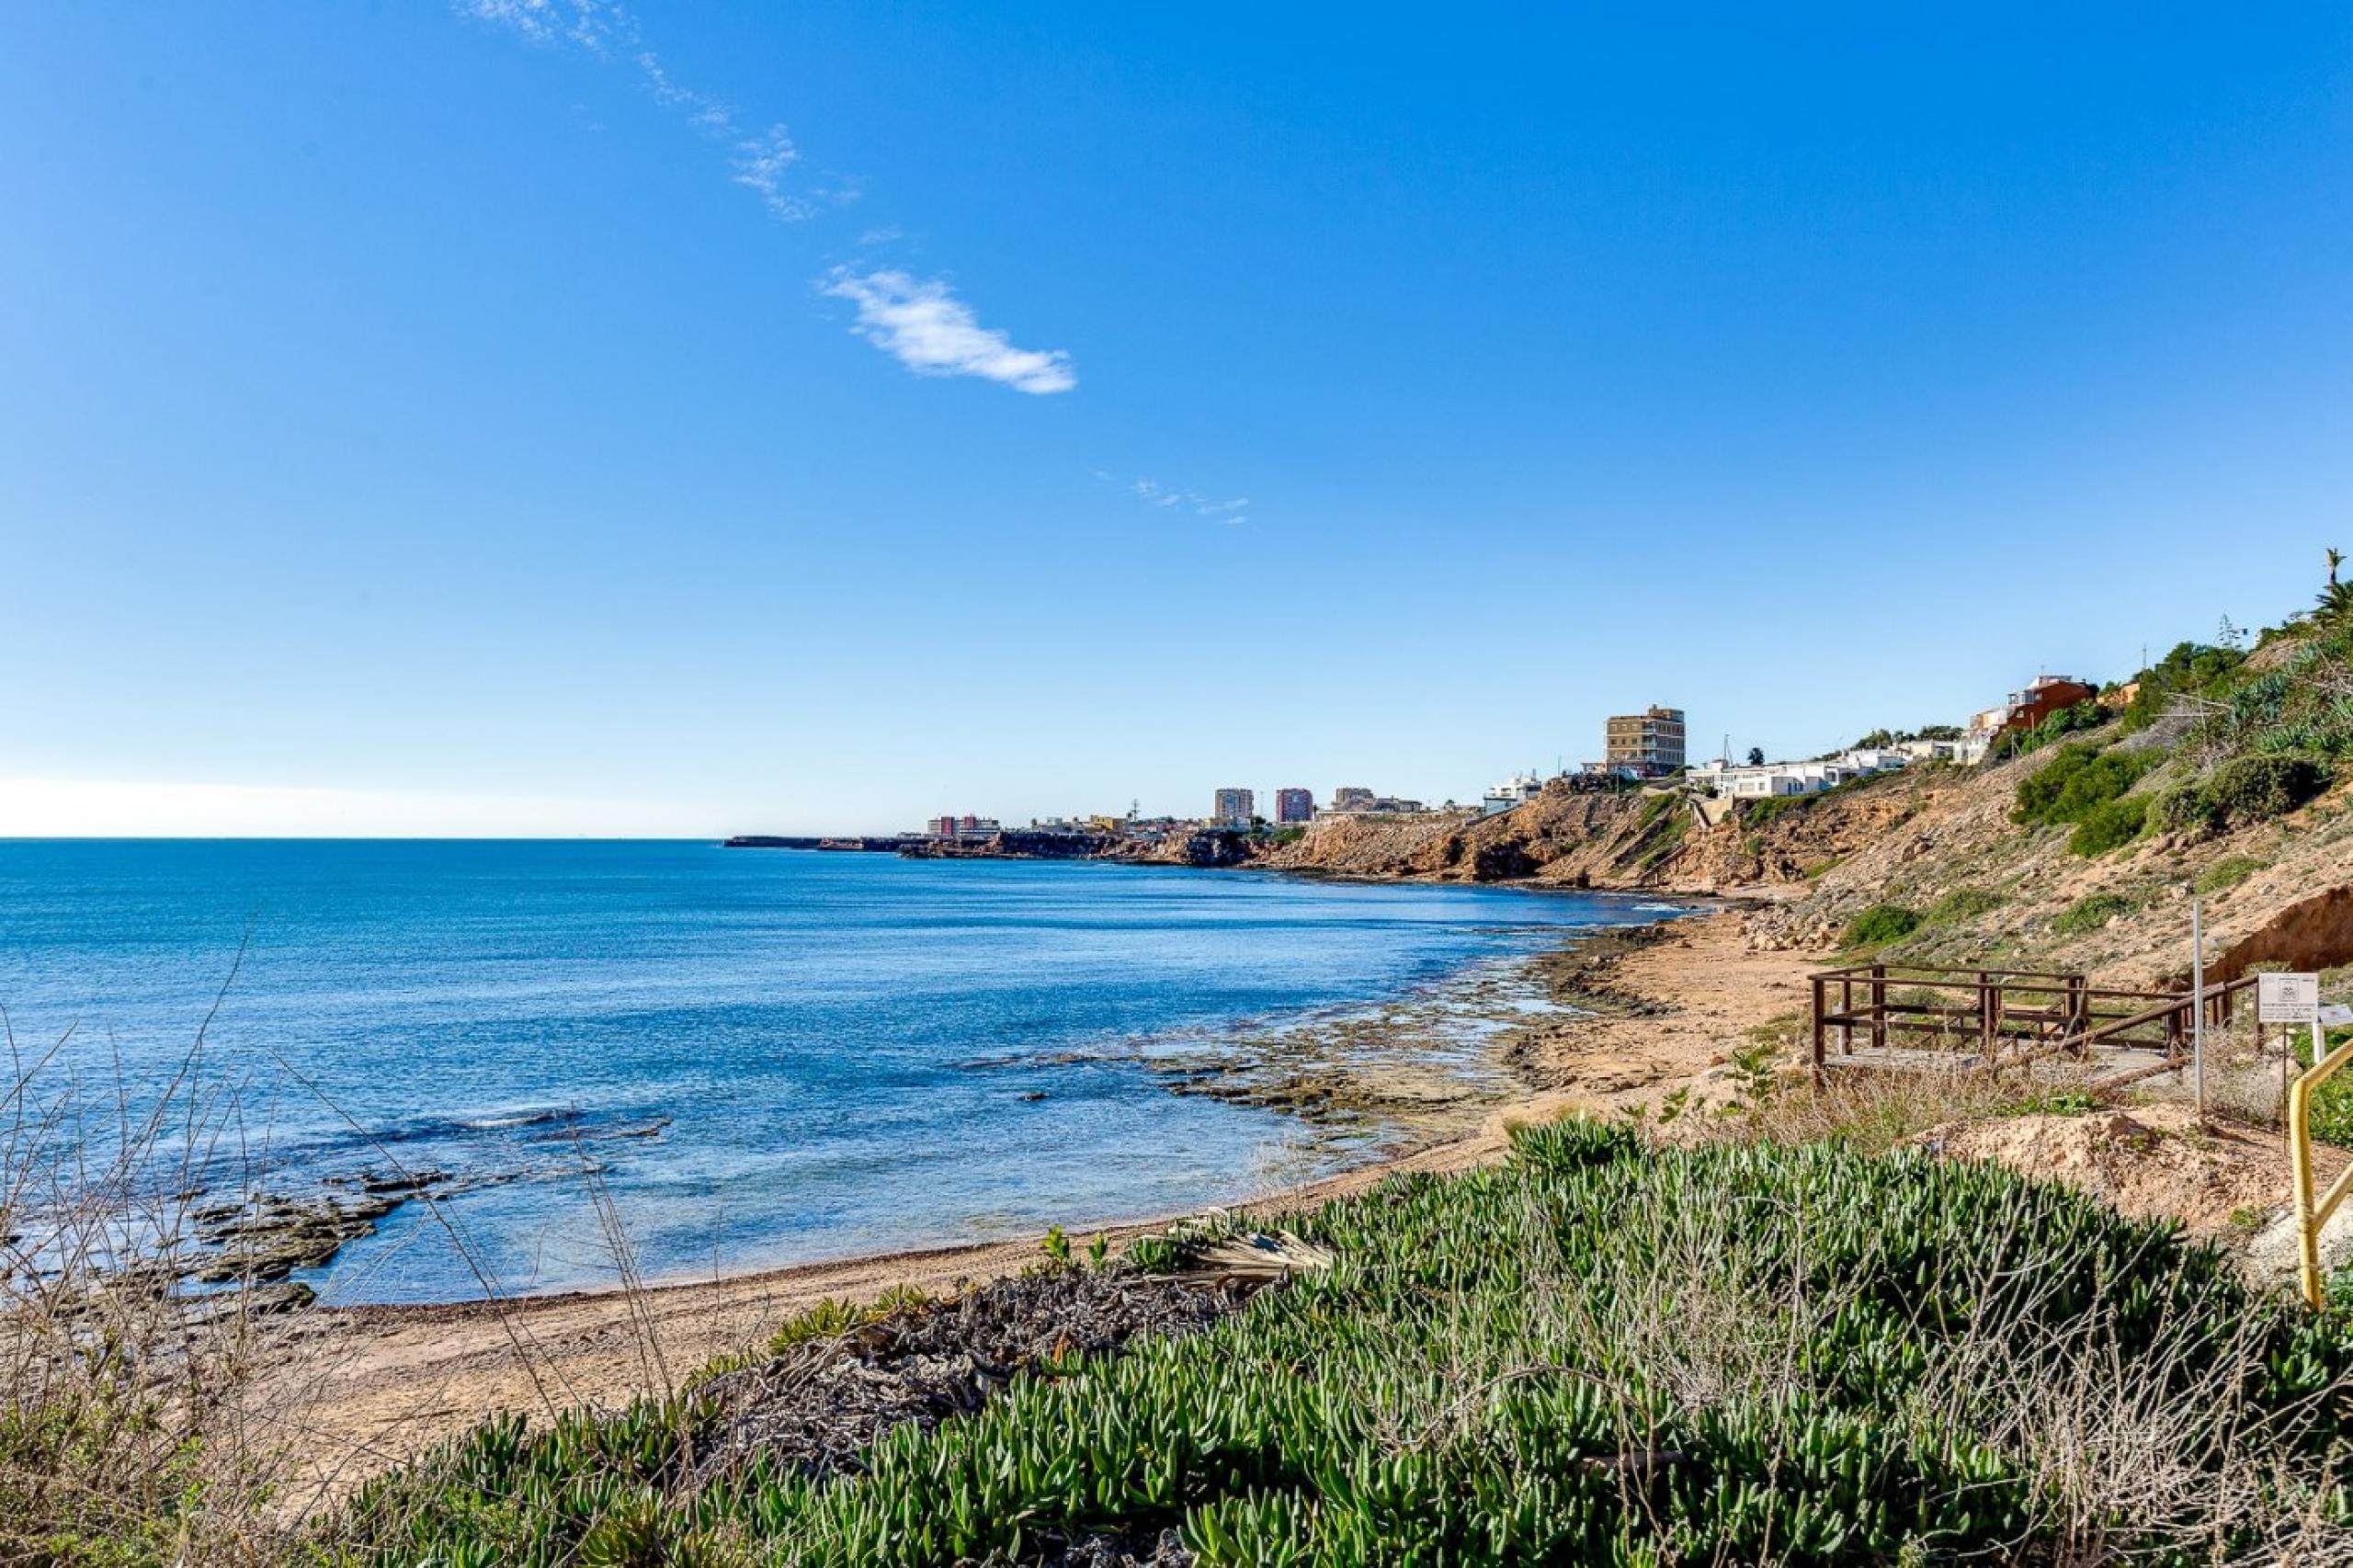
pixel 1362 1084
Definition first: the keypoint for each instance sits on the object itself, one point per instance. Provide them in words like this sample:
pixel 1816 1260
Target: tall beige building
pixel 1648 742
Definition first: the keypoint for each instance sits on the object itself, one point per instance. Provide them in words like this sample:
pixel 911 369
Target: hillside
pixel 1645 841
pixel 2229 775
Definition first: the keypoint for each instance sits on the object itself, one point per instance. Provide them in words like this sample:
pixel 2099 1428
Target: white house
pixel 1795 777
pixel 1516 790
pixel 1967 752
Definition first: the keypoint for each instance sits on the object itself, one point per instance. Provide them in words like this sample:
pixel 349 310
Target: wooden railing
pixel 2005 1017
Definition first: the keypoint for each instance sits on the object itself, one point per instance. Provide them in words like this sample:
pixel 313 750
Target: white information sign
pixel 2335 1015
pixel 2287 998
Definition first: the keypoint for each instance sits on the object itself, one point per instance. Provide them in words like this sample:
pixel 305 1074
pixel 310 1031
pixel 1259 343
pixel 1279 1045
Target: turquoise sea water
pixel 759 1057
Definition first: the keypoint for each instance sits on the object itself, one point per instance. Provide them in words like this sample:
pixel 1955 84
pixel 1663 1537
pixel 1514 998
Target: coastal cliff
pixel 1638 842
pixel 1202 846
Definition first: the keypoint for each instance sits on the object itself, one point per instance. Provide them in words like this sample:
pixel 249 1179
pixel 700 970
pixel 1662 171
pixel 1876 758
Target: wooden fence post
pixel 1820 995
pixel 1878 1006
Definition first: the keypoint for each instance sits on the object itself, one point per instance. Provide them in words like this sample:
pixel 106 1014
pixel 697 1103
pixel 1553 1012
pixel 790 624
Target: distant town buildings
pixel 1294 806
pixel 1350 801
pixel 1235 808
pixel 1516 790
pixel 965 826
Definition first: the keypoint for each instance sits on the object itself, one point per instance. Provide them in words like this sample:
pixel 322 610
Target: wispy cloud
pixel 761 164
pixel 919 322
pixel 592 23
pixel 707 113
pixel 1178 498
pixel 922 324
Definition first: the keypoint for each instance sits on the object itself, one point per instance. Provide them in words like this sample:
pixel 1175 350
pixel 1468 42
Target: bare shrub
pixel 127 1435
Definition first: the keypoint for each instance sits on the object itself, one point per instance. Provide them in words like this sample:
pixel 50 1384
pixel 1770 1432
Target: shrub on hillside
pixel 2076 782
pixel 2258 788
pixel 2111 824
pixel 1962 904
pixel 2227 873
pixel 2085 916
pixel 2037 792
pixel 1880 925
pixel 2188 809
pixel 2195 669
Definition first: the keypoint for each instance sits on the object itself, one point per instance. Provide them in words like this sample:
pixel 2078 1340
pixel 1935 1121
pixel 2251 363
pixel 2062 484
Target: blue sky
pixel 569 417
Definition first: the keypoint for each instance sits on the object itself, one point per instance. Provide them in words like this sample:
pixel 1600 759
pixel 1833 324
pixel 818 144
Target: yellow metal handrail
pixel 2311 1213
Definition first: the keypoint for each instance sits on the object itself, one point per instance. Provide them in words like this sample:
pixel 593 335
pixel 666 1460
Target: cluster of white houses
pixel 1764 780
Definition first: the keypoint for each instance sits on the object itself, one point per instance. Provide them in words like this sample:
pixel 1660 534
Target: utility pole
pixel 2198 1006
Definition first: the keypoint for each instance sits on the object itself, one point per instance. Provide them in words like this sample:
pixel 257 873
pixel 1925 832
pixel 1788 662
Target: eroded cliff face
pixel 1536 841
pixel 1209 848
pixel 1659 842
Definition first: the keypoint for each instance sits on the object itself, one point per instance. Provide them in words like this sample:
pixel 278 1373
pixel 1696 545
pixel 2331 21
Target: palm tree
pixel 2336 599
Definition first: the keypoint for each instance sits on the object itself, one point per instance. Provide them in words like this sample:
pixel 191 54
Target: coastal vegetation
pixel 2077 783
pixel 2227 873
pixel 1601 1350
pixel 2091 911
pixel 1879 926
pixel 1961 905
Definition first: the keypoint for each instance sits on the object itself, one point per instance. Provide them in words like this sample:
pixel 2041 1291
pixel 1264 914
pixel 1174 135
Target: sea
pixel 676 1060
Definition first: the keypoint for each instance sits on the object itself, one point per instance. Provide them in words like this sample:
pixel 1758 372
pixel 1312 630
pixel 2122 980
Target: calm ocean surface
pixel 761 1057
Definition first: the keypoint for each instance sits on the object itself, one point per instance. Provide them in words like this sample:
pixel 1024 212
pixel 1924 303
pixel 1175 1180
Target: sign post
pixel 2287 998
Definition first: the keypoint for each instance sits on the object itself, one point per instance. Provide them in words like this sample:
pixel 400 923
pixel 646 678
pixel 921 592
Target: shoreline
pixel 1357 1084
pixel 1269 1064
pixel 377 1383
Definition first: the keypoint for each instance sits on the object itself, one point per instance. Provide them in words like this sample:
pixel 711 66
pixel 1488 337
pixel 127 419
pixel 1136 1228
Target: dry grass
pixel 145 1420
pixel 126 1434
pixel 2162 1449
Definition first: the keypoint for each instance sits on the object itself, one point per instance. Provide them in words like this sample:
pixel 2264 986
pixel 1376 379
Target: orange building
pixel 2044 696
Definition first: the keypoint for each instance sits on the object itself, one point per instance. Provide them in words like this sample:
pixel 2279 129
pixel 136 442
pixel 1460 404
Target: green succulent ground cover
pixel 1602 1351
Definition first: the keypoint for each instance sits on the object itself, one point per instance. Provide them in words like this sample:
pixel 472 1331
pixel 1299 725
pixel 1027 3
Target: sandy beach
pixel 362 1388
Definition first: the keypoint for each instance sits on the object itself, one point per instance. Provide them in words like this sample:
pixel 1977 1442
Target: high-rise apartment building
pixel 1650 742
pixel 1294 805
pixel 1235 807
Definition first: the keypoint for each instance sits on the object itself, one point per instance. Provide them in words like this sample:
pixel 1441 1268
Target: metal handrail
pixel 2311 1213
